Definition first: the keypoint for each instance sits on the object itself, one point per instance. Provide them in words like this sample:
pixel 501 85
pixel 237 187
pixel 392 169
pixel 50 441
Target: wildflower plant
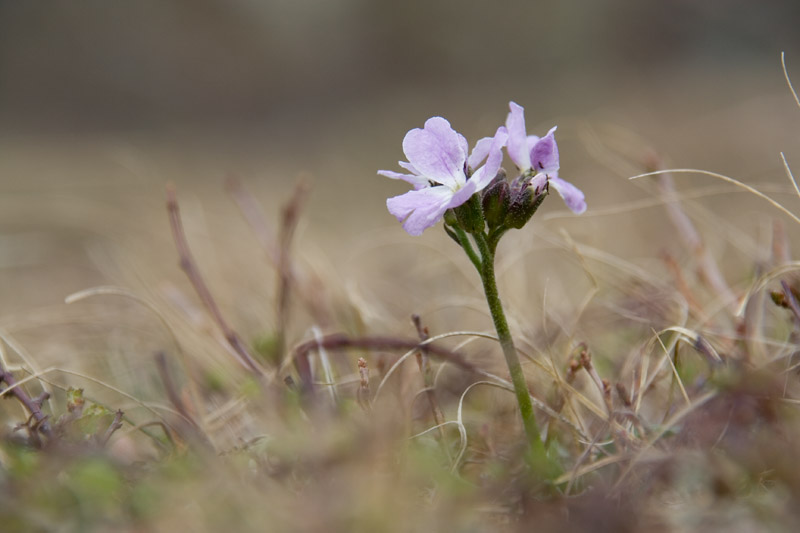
pixel 471 192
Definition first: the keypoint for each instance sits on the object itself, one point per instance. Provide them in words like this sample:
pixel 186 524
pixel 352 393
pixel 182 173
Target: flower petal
pixel 572 195
pixel 480 152
pixel 419 210
pixel 484 175
pixel 462 141
pixel 532 140
pixel 544 154
pixel 538 182
pixel 483 147
pixel 418 182
pixel 517 138
pixel 463 194
pixel 437 152
pixel 409 167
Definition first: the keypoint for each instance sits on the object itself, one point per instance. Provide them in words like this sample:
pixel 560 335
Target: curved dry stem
pixel 625 208
pixel 460 419
pixel 724 178
pixel 23 354
pixel 112 290
pixel 762 281
pixel 675 373
pixel 788 80
pixel 646 378
pixel 789 174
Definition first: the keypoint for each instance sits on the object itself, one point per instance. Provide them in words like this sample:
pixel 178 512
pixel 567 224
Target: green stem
pixel 467 246
pixel 537 455
pixel 494 237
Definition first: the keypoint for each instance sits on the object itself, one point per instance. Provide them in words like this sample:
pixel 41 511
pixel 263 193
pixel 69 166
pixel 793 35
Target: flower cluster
pixel 445 175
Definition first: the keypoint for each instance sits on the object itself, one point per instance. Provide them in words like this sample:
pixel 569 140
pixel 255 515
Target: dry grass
pixel 287 387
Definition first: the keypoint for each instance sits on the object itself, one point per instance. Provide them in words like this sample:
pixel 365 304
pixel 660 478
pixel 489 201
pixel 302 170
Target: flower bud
pixel 450 218
pixel 524 203
pixel 496 201
pixel 470 215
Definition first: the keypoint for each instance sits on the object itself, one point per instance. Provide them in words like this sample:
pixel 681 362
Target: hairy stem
pixel 467 246
pixel 537 455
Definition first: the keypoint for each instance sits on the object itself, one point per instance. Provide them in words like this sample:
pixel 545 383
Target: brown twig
pixel 112 428
pixel 290 215
pixel 790 300
pixel 363 389
pixel 423 362
pixel 188 265
pixel 34 406
pixel 339 341
pixel 309 288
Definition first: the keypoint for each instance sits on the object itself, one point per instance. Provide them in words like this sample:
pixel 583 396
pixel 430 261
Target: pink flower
pixel 442 172
pixel 538 157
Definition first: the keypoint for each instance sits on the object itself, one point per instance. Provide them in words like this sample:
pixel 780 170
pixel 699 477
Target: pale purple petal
pixel 517 138
pixel 437 152
pixel 419 182
pixel 480 152
pixel 462 141
pixel 544 154
pixel 419 210
pixel 482 148
pixel 409 167
pixel 463 194
pixel 484 175
pixel 532 140
pixel 572 196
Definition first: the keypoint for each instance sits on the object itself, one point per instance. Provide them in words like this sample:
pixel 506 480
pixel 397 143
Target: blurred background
pixel 145 65
pixel 102 103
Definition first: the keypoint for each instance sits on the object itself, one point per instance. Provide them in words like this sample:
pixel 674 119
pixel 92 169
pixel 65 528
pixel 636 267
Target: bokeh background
pixel 103 103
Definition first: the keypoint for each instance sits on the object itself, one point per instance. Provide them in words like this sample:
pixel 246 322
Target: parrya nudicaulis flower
pixel 537 159
pixel 447 181
pixel 442 171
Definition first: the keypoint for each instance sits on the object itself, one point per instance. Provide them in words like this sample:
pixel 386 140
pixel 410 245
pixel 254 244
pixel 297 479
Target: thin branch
pixel 290 214
pixel 790 300
pixel 112 428
pixel 33 405
pixel 338 341
pixel 363 390
pixel 188 265
pixel 424 364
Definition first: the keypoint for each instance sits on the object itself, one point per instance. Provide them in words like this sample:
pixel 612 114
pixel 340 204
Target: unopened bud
pixel 450 218
pixel 470 215
pixel 524 204
pixel 496 201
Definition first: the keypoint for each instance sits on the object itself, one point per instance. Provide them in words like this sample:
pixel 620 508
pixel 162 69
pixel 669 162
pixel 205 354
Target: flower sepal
pixel 451 234
pixel 470 215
